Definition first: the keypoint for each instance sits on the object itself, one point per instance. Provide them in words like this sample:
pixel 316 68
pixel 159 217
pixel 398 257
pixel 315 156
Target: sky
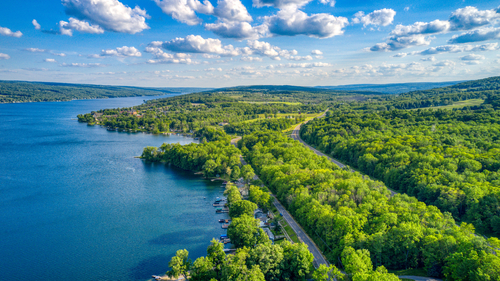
pixel 220 43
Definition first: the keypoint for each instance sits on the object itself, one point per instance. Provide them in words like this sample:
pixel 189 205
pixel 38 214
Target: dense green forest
pixel 450 159
pixel 396 88
pixel 20 91
pixel 342 210
pixel 230 110
pixel 445 163
pixel 478 89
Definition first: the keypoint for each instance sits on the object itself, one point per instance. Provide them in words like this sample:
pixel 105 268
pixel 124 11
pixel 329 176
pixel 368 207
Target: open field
pixel 458 104
pixel 308 117
pixel 283 115
pixel 265 102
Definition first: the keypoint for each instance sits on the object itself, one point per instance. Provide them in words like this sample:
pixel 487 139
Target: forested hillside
pixel 396 88
pixel 477 89
pixel 450 159
pixel 341 210
pixel 445 163
pixel 19 91
pixel 238 112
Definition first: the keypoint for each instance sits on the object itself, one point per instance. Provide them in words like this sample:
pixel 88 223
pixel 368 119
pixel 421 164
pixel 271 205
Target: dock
pixel 220 211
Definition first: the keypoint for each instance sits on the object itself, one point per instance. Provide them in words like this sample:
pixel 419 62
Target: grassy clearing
pixel 290 232
pixel 280 116
pixel 308 117
pixel 265 102
pixel 285 227
pixel 458 104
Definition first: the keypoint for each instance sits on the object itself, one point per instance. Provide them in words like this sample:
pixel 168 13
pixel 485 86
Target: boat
pixel 221 220
pixel 225 226
pixel 220 211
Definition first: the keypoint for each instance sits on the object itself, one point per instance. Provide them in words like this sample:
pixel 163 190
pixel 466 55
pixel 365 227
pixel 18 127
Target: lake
pixel 76 205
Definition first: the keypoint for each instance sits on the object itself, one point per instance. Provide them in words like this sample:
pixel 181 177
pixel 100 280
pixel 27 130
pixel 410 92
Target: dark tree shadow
pixel 153 265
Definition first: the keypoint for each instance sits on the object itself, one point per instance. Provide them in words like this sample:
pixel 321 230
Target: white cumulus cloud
pixel 7 32
pixel 400 55
pixel 251 59
pixel 36 24
pixel 197 44
pixel 122 52
pixel 470 17
pixel 444 63
pixel 236 30
pixel 382 17
pixel 66 28
pixel 81 65
pixel 431 58
pixel 49 60
pixel 185 10
pixel 316 52
pixel 282 3
pixel 331 3
pixel 418 34
pixel 4 56
pixel 35 50
pixel 472 57
pixel 290 22
pixel 232 10
pixel 110 15
pixel 477 35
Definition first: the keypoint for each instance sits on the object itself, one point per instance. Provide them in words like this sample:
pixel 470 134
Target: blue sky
pixel 217 43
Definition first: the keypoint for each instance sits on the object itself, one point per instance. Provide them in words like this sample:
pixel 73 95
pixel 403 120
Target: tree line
pixel 344 213
pixel 449 159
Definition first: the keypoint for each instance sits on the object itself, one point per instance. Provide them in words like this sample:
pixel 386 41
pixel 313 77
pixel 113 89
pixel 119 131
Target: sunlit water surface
pixel 76 205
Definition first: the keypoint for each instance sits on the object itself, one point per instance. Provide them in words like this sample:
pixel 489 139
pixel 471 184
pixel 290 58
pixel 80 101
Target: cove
pixel 76 205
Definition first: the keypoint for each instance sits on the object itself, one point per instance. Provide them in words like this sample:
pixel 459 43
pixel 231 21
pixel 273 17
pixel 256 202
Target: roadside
pixel 293 225
pixel 319 259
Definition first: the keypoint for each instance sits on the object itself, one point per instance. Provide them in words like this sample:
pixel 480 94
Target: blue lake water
pixel 76 205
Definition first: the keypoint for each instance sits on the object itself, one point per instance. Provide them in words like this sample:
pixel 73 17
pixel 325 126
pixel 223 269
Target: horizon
pixel 236 86
pixel 230 43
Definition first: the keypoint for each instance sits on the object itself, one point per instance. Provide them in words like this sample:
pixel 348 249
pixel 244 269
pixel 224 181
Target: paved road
pixel 296 136
pixel 301 234
pixel 235 141
pixel 419 278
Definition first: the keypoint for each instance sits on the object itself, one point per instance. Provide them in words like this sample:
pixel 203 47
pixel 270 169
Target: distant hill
pixel 487 89
pixel 391 88
pixel 289 88
pixel 21 91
